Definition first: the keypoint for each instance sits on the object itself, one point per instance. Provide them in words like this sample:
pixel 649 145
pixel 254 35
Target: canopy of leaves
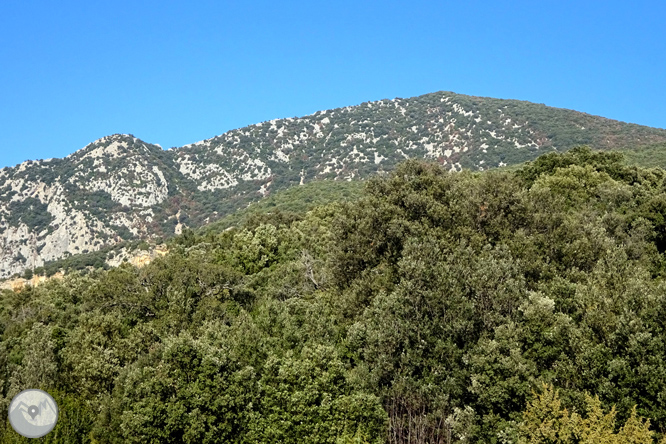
pixel 427 311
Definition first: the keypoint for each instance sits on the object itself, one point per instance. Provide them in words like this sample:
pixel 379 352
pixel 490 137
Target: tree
pixel 547 421
pixel 186 391
pixel 306 398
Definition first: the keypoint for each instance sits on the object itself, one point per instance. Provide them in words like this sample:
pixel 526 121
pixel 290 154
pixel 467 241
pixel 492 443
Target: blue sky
pixel 174 72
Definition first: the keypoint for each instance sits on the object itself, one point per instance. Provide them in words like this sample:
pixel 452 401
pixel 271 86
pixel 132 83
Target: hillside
pixel 649 156
pixel 120 188
pixel 436 307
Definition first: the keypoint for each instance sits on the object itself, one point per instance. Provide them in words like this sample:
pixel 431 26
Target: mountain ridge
pixel 120 187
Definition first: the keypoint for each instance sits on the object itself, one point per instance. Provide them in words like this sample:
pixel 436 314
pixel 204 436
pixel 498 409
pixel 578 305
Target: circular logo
pixel 33 413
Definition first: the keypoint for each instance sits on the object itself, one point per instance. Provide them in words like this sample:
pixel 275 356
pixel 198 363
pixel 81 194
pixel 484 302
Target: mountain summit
pixel 120 187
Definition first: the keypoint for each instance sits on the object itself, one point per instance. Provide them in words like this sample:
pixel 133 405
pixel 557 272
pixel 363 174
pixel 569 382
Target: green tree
pixel 547 421
pixel 185 391
pixel 307 399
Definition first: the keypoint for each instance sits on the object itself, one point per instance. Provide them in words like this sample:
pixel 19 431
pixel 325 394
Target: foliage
pixel 31 212
pixel 546 420
pixel 429 310
pixel 649 156
pixel 290 203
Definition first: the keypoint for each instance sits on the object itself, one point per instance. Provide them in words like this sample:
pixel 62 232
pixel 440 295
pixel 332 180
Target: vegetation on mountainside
pixel 297 199
pixel 119 188
pixel 476 132
pixel 649 156
pixel 286 203
pixel 428 311
pixel 31 212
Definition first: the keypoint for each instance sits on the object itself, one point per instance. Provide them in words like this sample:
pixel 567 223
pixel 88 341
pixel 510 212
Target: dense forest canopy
pixel 438 307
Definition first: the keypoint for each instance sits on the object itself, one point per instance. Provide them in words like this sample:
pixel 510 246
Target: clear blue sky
pixel 173 73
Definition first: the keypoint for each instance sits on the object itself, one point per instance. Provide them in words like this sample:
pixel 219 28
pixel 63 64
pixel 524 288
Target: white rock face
pixel 135 184
pixel 69 231
pixel 115 166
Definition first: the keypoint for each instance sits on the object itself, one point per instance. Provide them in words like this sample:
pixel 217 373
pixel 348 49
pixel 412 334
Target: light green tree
pixel 547 421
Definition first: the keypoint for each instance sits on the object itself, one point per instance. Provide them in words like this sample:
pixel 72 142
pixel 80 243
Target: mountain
pixel 120 188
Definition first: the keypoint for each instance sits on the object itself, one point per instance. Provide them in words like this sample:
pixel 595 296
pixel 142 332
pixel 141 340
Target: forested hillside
pixel 439 307
pixel 122 189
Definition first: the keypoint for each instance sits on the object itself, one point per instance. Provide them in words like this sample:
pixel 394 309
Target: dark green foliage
pixel 306 399
pixel 290 202
pixel 427 311
pixel 185 391
pixel 650 156
pixel 31 212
